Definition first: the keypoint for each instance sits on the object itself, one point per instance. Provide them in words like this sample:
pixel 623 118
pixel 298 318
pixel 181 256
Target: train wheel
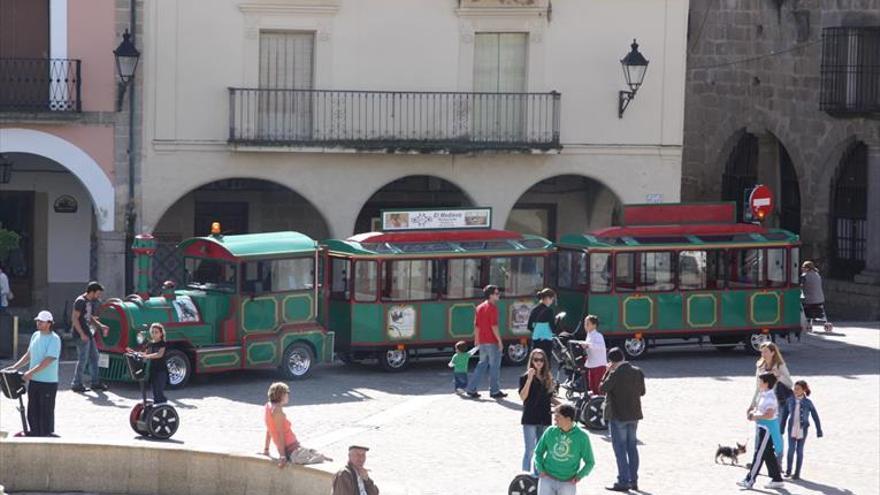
pixel 523 484
pixel 179 368
pixel 297 361
pixel 162 421
pixel 515 354
pixel 724 344
pixel 394 360
pixel 135 416
pixel 756 340
pixel 592 413
pixel 634 348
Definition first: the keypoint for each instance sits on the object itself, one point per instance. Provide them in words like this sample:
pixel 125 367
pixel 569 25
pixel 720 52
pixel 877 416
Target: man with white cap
pixel 354 479
pixel 41 357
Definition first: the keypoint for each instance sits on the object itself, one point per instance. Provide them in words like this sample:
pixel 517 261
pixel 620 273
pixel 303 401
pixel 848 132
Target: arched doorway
pixel 564 204
pixel 242 206
pixel 849 213
pixel 414 191
pixel 763 159
pixel 740 172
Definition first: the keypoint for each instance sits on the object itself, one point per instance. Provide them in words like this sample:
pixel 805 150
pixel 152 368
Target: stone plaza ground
pixel 427 440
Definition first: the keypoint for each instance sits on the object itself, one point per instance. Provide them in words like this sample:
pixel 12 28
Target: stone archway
pixel 241 206
pixel 413 191
pixel 74 159
pixel 564 204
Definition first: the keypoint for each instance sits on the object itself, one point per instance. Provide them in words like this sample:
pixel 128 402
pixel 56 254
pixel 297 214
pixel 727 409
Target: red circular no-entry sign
pixel 761 201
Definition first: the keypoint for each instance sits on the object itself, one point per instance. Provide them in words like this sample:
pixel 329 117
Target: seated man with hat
pixel 354 479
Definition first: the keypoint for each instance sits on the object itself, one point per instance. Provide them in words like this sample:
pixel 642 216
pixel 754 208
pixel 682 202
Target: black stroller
pixel 12 386
pixel 149 420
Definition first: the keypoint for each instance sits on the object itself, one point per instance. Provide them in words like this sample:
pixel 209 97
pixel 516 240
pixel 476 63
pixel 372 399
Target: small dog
pixel 729 453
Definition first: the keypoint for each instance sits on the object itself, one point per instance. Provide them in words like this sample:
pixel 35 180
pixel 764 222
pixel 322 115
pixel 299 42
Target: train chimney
pixel 143 247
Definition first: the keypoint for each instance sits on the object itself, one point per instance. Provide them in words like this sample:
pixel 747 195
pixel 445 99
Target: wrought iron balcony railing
pixel 850 70
pixel 394 120
pixel 40 85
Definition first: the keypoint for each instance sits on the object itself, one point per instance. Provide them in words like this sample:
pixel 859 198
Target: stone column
pixel 871 273
pixel 769 173
pixel 111 263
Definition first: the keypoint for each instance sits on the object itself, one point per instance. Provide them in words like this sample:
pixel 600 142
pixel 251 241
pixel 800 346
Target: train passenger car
pixel 403 293
pixel 682 271
pixel 250 302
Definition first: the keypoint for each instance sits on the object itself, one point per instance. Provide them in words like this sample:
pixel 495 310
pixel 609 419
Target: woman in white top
pixel 771 362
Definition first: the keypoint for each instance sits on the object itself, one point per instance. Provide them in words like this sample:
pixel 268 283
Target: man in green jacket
pixel 559 453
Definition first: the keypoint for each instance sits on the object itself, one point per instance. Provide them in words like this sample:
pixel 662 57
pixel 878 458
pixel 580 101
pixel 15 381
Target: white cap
pixel 44 316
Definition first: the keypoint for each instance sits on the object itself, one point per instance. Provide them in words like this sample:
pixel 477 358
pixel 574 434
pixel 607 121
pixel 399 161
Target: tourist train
pixel 669 274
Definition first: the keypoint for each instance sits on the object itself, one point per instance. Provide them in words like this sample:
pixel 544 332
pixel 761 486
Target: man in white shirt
pixel 5 291
pixel 597 361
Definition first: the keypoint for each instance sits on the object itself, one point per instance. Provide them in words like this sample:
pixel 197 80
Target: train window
pixel 365 274
pixel 463 278
pixel 625 275
pixel 517 276
pixel 207 274
pixel 408 280
pixel 571 270
pixel 647 271
pixel 776 267
pixel 794 266
pixel 745 268
pixel 700 270
pixel 600 272
pixel 339 279
pixel 279 275
pixel 656 271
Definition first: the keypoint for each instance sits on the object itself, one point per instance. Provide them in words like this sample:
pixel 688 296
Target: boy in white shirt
pixel 597 361
pixel 769 437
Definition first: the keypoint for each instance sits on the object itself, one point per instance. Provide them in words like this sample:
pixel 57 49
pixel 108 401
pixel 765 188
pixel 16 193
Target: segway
pixel 146 419
pixel 12 386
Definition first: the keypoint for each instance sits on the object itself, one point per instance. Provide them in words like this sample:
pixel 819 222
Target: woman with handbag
pixel 771 362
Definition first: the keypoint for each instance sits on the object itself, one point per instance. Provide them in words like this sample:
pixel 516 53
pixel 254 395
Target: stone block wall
pixel 754 66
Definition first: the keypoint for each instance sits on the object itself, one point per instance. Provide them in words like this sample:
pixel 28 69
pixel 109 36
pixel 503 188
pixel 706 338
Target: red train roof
pixel 435 236
pixel 680 230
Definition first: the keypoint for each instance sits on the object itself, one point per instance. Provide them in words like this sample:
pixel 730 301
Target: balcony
pixel 40 85
pixel 850 71
pixel 452 122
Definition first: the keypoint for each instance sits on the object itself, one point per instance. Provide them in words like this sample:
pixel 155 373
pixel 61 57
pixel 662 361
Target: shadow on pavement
pixel 818 487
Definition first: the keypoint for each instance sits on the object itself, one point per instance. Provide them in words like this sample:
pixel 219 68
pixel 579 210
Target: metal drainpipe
pixel 130 210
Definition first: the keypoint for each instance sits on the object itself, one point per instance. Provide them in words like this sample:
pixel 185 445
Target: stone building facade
pixel 787 93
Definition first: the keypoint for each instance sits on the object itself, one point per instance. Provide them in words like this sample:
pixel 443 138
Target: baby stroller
pixel 148 420
pixel 816 313
pixel 12 386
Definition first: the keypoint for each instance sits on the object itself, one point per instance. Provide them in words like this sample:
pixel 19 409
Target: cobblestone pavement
pixel 426 440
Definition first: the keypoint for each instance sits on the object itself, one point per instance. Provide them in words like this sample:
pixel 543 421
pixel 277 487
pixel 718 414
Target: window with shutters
pixel 286 63
pixel 500 70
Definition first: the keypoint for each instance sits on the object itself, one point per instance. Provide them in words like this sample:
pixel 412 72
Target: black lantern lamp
pixel 5 170
pixel 127 57
pixel 634 67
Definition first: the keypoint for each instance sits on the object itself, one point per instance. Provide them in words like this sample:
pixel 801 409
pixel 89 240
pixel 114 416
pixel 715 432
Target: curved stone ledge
pixel 42 465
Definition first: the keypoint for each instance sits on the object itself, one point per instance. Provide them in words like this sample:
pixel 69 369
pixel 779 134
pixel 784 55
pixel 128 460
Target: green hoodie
pixel 559 453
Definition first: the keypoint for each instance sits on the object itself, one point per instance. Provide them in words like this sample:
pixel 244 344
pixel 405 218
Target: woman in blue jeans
pixel 536 391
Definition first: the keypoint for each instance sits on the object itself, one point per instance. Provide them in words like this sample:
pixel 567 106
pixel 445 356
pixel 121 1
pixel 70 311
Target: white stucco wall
pixel 424 45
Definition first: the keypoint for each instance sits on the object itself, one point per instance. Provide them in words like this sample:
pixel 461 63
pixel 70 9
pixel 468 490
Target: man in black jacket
pixel 624 386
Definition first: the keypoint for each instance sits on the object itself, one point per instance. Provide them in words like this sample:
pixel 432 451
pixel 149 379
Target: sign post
pixel 760 202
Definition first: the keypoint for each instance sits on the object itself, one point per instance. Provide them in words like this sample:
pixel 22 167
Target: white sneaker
pixel 774 484
pixel 745 484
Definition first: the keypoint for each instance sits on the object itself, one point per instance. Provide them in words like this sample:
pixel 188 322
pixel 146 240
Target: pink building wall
pixel 95 140
pixel 92 37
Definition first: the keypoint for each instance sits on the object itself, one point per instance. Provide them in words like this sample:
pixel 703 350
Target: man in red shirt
pixel 488 339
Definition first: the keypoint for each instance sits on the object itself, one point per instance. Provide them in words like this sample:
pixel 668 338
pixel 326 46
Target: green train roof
pixel 674 235
pixel 249 245
pixel 454 242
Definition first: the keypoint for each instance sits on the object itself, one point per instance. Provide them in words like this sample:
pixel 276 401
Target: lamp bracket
pixel 623 99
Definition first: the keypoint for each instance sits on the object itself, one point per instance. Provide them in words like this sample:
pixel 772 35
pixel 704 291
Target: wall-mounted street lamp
pixel 5 170
pixel 634 68
pixel 127 57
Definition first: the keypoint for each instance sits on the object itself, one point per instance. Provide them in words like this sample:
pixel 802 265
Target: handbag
pixel 782 392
